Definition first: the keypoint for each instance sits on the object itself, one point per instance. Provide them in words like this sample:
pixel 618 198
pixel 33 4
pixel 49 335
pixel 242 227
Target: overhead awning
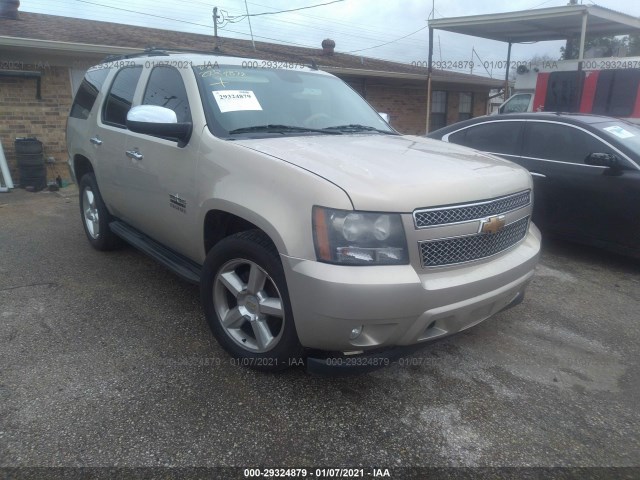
pixel 543 24
pixel 555 23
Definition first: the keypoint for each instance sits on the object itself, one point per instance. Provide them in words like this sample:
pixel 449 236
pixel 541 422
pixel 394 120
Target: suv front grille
pixel 449 251
pixel 429 217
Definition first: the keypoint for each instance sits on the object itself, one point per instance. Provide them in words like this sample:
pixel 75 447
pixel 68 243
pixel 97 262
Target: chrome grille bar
pixel 450 251
pixel 429 217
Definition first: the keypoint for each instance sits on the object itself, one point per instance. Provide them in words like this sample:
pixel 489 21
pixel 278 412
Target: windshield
pixel 243 102
pixel 625 134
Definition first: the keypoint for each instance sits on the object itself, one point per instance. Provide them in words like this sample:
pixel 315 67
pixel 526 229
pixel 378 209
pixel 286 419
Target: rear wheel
pixel 95 216
pixel 246 302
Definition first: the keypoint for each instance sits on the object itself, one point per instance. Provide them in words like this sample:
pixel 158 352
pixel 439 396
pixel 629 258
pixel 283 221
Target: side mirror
pixel 158 122
pixel 385 116
pixel 602 160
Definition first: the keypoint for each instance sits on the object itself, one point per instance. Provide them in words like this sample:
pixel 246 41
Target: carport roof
pixel 555 23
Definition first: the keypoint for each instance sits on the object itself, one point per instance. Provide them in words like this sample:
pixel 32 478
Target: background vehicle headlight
pixel 359 238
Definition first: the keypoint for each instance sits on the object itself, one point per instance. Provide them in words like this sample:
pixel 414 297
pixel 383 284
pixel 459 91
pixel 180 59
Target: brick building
pixel 43 59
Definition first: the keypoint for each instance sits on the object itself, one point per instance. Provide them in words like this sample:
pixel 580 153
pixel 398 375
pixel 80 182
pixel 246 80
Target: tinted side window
pixel 495 137
pixel 616 92
pixel 166 89
pixel 87 93
pixel 562 92
pixel 552 141
pixel 120 96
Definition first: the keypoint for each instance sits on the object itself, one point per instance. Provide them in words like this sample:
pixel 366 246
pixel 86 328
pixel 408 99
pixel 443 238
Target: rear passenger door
pixel 110 139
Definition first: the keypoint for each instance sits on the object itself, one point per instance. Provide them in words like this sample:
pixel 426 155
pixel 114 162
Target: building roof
pixel 554 23
pixel 52 32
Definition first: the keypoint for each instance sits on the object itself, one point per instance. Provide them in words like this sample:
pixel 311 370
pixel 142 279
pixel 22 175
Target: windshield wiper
pixel 354 127
pixel 280 129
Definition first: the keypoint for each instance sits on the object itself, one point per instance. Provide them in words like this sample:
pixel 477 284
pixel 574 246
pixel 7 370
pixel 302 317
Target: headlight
pixel 359 238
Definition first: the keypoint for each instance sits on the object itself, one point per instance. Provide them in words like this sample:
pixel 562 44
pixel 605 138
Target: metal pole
pixel 215 21
pixel 430 69
pixel 506 75
pixel 583 34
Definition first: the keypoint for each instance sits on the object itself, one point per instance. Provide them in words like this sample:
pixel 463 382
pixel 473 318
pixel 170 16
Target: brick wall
pixel 406 103
pixel 22 115
pixel 407 107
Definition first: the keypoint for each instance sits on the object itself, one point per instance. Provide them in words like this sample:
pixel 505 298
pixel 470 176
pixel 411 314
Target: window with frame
pixel 438 110
pixel 616 92
pixel 493 137
pixel 165 88
pixel 562 92
pixel 552 141
pixel 87 93
pixel 120 97
pixel 465 105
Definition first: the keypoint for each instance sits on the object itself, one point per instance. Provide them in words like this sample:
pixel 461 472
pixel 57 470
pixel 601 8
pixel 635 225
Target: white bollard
pixel 4 169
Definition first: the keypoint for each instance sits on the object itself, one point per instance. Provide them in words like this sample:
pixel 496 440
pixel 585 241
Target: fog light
pixel 355 333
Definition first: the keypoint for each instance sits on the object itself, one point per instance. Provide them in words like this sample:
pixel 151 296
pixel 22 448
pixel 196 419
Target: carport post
pixel 430 64
pixel 583 34
pixel 506 74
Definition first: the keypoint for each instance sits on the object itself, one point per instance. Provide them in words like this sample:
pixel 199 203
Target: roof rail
pixel 147 52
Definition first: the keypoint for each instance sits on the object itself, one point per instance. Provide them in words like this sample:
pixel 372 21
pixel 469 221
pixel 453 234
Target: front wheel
pixel 95 216
pixel 246 302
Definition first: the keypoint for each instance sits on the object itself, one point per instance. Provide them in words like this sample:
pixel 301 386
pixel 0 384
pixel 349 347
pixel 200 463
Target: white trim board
pixel 5 174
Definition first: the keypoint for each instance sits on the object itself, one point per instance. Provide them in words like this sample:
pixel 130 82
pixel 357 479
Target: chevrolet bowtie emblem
pixel 492 224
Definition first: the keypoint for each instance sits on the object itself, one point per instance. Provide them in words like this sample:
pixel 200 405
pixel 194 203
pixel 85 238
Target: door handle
pixel 95 141
pixel 134 154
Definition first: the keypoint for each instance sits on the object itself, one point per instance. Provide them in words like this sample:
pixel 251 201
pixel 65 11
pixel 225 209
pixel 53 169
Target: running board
pixel 183 267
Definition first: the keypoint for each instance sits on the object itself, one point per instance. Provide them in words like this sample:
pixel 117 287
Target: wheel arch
pixel 81 166
pixel 224 219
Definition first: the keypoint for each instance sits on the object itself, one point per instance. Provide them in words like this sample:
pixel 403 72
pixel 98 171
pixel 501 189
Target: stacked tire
pixel 33 172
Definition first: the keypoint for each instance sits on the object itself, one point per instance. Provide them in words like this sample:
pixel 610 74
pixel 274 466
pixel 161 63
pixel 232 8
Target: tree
pixel 634 44
pixel 609 45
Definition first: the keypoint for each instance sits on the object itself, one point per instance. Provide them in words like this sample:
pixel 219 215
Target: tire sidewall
pixel 102 242
pixel 288 350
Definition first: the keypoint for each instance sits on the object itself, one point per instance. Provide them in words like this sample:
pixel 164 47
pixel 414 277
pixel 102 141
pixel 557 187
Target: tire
pixel 95 216
pixel 243 283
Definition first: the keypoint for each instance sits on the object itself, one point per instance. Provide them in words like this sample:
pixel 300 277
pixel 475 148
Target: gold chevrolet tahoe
pixel 313 228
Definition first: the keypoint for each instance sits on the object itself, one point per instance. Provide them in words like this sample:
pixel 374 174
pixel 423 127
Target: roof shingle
pixel 75 30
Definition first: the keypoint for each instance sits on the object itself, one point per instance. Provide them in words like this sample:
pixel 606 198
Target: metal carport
pixel 555 23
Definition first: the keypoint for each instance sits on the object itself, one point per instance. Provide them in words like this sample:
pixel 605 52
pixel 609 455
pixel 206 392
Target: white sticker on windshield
pixel 619 132
pixel 236 100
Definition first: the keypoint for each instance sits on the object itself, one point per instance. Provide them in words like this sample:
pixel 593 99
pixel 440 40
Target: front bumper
pixel 336 364
pixel 398 305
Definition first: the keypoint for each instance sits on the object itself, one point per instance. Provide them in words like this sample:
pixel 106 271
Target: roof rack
pixel 147 52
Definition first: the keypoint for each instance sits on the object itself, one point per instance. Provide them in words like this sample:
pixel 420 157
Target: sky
pixel 372 28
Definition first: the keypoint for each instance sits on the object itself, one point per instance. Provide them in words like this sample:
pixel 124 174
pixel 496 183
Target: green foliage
pixel 610 46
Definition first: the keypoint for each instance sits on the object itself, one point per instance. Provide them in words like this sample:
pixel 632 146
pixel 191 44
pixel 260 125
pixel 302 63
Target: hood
pixel 398 173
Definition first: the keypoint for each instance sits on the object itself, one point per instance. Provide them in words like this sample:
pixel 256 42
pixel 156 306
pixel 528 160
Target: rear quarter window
pixel 494 137
pixel 87 93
